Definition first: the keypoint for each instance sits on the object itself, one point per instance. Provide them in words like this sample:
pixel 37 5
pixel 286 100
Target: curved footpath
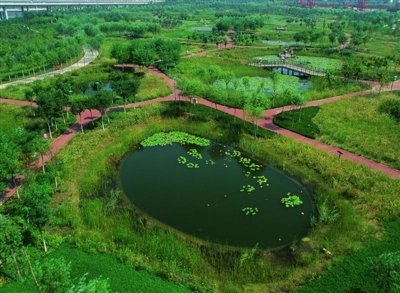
pixel 87 58
pixel 266 122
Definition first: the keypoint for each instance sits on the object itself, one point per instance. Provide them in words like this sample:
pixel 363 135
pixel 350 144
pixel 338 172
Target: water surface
pixel 206 202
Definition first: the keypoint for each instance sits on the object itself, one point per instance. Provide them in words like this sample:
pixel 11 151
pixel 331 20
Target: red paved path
pixel 266 122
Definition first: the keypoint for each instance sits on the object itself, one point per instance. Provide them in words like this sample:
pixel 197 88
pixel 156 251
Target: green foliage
pixel 175 136
pixel 355 125
pixel 390 107
pixel 151 87
pixel 327 213
pixel 314 63
pixel 291 200
pixel 248 255
pixel 387 270
pixel 303 118
pixel 53 275
pixel 371 269
pixel 250 211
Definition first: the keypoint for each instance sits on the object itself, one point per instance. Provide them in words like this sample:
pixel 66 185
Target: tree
pixel 47 108
pixel 123 85
pixel 143 54
pixel 332 37
pixel 246 82
pixel 214 74
pixel 29 95
pixel 342 38
pixel 275 79
pixel 299 100
pixel 190 87
pixel 10 240
pixel 36 207
pixel 227 77
pixel 215 94
pixel 64 88
pixel 121 53
pixel 77 109
pixel 41 145
pixel 169 52
pixel 102 100
pixel 255 107
pixel 384 79
pixel 288 97
pixel 10 164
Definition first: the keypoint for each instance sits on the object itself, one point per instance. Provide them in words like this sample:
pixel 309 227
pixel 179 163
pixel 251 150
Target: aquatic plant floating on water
pixel 210 162
pixel 291 200
pixel 182 160
pixel 162 139
pixel 192 165
pixel 250 211
pixel 195 154
pixel 261 180
pixel 248 188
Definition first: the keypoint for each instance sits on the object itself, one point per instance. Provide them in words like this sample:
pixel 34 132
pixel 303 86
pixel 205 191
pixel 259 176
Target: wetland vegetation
pixel 75 208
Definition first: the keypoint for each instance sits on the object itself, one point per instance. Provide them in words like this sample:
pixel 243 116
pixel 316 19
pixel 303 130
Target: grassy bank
pixel 350 198
pixel 353 124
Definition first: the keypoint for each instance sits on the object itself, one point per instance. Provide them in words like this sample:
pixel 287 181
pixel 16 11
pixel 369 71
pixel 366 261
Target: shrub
pixel 299 121
pixel 390 107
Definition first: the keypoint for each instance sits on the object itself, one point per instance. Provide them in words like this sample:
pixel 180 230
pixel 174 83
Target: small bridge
pixel 290 67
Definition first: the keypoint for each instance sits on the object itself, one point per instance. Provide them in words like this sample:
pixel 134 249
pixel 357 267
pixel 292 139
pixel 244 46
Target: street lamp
pixel 372 67
pixel 70 93
pixel 394 79
pixel 174 88
pixel 96 86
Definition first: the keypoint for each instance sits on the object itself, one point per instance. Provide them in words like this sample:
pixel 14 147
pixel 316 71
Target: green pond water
pixel 207 202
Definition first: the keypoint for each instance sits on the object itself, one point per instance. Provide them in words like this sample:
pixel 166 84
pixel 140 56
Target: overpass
pixel 7 6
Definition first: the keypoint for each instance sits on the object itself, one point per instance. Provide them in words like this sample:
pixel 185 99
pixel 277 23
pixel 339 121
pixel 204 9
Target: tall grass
pixel 356 125
pixel 188 66
pixel 151 87
pixel 350 197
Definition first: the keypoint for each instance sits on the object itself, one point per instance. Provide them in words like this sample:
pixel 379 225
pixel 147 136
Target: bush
pixel 299 121
pixel 390 107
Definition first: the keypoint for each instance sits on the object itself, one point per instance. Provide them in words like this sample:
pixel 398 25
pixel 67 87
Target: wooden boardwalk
pixel 288 66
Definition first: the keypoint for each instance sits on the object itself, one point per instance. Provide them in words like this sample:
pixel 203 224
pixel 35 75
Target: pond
pixel 89 90
pixel 223 199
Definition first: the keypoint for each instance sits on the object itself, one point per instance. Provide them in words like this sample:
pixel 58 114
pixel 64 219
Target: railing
pixel 286 65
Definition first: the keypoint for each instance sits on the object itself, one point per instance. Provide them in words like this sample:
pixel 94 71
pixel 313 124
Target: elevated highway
pixel 7 6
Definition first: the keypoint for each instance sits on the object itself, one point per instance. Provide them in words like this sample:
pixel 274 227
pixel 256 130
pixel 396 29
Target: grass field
pixel 382 45
pixel 353 124
pixel 153 248
pixel 13 115
pixel 121 277
pixel 356 125
pixel 151 87
pixel 189 65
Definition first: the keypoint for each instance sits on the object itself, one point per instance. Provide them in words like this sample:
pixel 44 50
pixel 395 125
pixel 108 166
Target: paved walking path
pixel 87 58
pixel 266 122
